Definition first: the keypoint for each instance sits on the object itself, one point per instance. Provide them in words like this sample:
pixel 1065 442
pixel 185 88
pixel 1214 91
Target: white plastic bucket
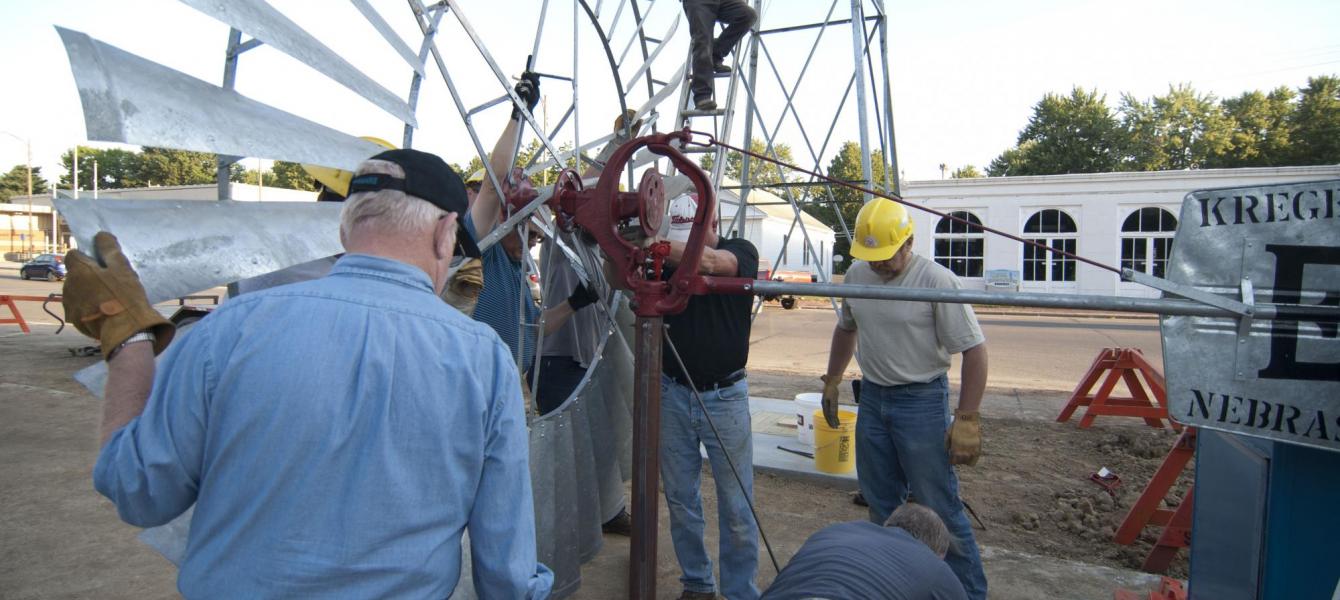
pixel 806 404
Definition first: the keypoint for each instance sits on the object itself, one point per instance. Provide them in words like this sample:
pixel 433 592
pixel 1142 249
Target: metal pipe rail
pixel 1159 306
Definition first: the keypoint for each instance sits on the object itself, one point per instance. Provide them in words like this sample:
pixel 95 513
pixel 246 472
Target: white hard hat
pixel 682 211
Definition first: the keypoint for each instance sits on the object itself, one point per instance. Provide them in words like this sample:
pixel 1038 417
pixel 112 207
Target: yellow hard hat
pixel 881 228
pixel 337 180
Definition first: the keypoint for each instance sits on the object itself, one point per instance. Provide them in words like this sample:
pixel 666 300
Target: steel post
pixel 1161 306
pixel 858 57
pixel 646 457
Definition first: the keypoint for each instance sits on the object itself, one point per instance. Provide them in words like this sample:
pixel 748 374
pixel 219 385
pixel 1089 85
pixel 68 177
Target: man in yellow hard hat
pixel 904 437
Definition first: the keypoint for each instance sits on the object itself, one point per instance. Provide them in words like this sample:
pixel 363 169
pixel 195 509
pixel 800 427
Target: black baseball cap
pixel 427 177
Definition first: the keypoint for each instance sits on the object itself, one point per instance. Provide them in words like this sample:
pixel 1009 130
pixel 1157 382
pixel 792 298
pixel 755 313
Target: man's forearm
pixel 972 378
pixel 713 262
pixel 556 316
pixel 841 351
pixel 130 376
pixel 486 208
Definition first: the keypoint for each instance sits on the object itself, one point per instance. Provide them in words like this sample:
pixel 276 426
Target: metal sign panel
pixel 1276 379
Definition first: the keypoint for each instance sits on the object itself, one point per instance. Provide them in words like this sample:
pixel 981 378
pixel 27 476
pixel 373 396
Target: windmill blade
pixel 180 247
pixel 263 22
pixel 131 100
pixel 375 19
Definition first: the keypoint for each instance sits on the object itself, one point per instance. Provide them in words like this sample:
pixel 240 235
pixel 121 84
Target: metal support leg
pixel 646 458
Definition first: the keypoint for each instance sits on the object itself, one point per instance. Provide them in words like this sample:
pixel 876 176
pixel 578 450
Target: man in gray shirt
pixel 904 439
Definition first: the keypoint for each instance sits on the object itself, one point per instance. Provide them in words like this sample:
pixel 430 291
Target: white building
pixel 768 225
pixel 1126 220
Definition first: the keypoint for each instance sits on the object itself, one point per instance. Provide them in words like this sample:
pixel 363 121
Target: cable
pixel 724 451
pixel 712 141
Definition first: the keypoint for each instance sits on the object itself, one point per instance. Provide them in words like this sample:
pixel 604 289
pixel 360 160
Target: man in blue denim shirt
pixel 904 440
pixel 354 471
pixel 711 336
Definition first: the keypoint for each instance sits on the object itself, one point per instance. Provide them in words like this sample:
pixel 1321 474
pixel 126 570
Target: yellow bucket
pixel 835 449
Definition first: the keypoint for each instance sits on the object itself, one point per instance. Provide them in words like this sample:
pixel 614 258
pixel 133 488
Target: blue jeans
pixel 683 428
pixel 900 447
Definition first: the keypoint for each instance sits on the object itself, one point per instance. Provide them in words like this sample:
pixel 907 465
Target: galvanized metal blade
pixel 263 22
pixel 384 28
pixel 180 247
pixel 131 100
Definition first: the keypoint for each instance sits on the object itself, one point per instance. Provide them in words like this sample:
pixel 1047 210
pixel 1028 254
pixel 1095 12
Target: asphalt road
pixel 1025 352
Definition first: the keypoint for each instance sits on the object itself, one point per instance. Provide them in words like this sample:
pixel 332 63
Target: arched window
pixel 960 246
pixel 1146 240
pixel 1054 229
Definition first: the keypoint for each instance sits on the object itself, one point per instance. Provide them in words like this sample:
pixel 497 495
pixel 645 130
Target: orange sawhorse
pixel 17 318
pixel 8 301
pixel 1122 364
pixel 1176 535
pixel 1176 523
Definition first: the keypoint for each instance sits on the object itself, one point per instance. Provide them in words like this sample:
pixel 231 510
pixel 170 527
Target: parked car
pixel 50 267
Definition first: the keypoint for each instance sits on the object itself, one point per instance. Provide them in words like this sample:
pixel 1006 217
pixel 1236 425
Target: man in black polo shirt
pixel 712 338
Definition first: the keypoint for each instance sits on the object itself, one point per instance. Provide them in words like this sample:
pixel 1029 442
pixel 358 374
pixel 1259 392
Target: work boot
pixel 621 524
pixel 704 103
pixel 721 68
pixel 687 595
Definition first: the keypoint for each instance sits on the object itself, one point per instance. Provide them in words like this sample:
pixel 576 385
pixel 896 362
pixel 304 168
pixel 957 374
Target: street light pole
pixel 28 145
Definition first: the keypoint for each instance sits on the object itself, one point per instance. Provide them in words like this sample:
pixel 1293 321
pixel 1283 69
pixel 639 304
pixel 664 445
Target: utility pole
pixel 28 143
pixel 74 178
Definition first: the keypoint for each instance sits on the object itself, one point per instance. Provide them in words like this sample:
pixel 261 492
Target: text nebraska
pixel 1264 416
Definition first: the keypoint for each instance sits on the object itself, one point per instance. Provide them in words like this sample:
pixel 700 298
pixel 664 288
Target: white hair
pixel 387 210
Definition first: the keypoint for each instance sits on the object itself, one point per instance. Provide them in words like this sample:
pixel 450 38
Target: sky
pixel 965 74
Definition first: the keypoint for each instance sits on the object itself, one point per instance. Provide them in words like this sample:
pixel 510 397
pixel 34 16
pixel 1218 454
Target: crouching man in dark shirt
pixel 903 560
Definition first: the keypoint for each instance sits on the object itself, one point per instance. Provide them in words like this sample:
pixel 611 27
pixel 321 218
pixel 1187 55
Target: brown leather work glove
pixel 104 300
pixel 462 290
pixel 964 439
pixel 830 400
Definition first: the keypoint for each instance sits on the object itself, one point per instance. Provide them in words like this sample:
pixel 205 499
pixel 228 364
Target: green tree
pixel 254 177
pixel 165 166
pixel 117 168
pixel 761 173
pixel 15 183
pixel 845 166
pixel 1178 130
pixel 966 172
pixel 290 175
pixel 1316 122
pixel 1261 129
pixel 535 150
pixel 1072 134
pixel 1013 161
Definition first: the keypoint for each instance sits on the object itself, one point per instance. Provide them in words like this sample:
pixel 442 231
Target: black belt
pixel 726 381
